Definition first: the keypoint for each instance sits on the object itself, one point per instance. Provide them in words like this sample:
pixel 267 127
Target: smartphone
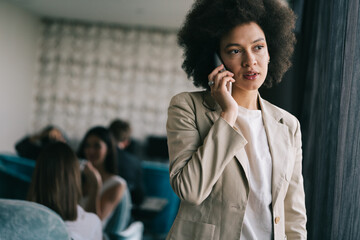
pixel 218 62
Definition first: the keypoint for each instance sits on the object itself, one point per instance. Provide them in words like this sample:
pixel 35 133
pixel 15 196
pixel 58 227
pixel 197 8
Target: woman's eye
pixel 259 47
pixel 234 51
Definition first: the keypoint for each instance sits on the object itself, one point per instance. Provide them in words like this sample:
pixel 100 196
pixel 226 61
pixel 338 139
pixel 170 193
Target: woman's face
pixel 95 150
pixel 244 52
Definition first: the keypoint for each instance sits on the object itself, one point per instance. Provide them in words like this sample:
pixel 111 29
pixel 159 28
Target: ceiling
pixel 164 14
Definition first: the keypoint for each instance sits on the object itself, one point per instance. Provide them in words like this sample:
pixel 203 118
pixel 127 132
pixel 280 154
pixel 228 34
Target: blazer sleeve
pixel 196 165
pixel 295 212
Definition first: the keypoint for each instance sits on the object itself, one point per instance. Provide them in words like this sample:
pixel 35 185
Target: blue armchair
pixel 133 232
pixel 118 227
pixel 121 217
pixel 24 220
pixel 157 185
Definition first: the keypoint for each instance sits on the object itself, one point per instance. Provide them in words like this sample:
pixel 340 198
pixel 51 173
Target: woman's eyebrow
pixel 258 40
pixel 238 45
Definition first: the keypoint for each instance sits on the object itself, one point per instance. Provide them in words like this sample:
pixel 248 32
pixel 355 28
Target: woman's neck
pixel 246 99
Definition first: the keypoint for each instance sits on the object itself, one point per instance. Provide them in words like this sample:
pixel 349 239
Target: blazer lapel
pixel 278 139
pixel 213 114
pixel 277 136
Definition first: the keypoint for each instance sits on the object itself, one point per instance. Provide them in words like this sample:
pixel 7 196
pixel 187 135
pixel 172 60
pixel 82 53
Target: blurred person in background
pixel 31 146
pixel 56 184
pixel 129 166
pixel 103 189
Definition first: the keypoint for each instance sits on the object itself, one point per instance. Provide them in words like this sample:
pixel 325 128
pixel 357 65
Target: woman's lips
pixel 251 75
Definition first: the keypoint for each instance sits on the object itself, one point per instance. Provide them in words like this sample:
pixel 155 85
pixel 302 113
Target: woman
pixel 56 185
pixel 235 159
pixel 103 189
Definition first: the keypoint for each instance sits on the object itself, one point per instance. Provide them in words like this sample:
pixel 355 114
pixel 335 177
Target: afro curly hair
pixel 209 20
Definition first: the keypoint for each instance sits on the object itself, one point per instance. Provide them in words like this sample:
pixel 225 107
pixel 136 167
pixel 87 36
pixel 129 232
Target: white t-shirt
pixel 257 223
pixel 87 226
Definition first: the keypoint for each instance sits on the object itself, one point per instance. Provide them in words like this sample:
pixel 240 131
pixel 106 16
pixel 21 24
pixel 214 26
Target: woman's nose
pixel 248 60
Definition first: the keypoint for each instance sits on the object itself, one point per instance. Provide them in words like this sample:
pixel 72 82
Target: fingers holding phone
pixel 220 82
pixel 218 62
pixel 220 79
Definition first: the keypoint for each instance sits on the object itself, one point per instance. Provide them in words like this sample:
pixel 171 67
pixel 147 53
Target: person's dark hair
pixel 45 137
pixel 120 130
pixel 56 180
pixel 209 20
pixel 47 129
pixel 105 135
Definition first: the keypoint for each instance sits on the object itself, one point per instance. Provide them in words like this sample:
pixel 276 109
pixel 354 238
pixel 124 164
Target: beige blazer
pixel 209 170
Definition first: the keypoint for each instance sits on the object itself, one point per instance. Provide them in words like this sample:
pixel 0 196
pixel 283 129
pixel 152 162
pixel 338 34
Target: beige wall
pixel 19 34
pixel 76 76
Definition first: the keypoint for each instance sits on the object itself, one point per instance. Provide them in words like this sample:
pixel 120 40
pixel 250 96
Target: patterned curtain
pixel 330 118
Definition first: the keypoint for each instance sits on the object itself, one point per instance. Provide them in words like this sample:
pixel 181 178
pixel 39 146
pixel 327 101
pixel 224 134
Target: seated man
pixel 129 166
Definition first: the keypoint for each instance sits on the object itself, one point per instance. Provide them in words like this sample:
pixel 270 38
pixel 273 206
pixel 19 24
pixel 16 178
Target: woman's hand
pixel 219 91
pixel 93 184
pixel 93 178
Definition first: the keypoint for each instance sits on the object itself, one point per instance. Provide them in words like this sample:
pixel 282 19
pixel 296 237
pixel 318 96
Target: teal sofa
pixel 15 176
